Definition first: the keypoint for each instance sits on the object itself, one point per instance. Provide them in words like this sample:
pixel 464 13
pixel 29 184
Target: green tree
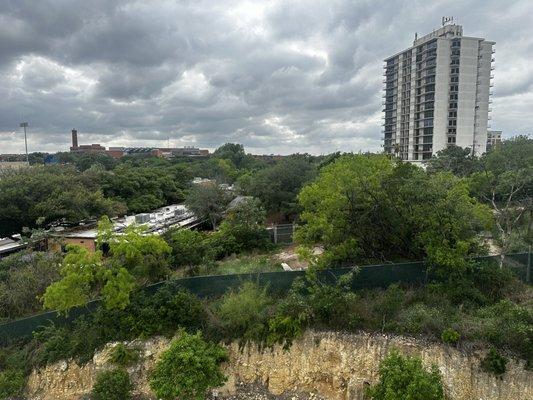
pixel 208 201
pixel 404 378
pixel 278 186
pixel 233 152
pixel 134 258
pixel 245 223
pixel 367 208
pixel 506 184
pixel 188 369
pixel 188 247
pixel 145 256
pixel 457 160
pixel 81 273
pixel 41 195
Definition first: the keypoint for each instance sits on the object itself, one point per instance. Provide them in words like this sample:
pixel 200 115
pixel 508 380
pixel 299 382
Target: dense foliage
pixel 91 185
pixel 38 196
pixel 188 368
pixel 24 277
pixel 114 384
pixel 367 208
pixel 404 378
pixel 277 186
pixel 133 259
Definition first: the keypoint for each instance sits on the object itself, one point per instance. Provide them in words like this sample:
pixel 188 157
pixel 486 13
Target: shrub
pixel 312 301
pixel 188 247
pixel 419 319
pixel 494 362
pixel 450 336
pixel 188 369
pixel 123 356
pixel 12 383
pixel 112 385
pixel 23 279
pixel 507 324
pixel 283 330
pixel 404 378
pixel 168 310
pixel 244 312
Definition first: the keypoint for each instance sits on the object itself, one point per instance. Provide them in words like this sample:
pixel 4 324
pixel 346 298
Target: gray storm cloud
pixel 278 76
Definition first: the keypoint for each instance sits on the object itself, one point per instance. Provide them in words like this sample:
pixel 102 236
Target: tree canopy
pixel 277 186
pixel 209 201
pixel 134 259
pixel 367 208
pixel 38 196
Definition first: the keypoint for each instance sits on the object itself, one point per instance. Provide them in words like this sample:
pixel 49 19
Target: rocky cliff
pixel 330 365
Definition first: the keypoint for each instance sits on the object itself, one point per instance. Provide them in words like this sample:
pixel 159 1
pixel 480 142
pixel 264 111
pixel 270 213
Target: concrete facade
pixel 437 94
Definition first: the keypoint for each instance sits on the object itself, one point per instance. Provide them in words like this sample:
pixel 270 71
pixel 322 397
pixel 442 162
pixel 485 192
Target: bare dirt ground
pixel 288 256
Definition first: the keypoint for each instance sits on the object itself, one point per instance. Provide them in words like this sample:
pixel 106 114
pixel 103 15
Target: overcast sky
pixel 276 76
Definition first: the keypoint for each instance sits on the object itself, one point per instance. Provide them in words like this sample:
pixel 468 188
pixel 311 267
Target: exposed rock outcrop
pixel 332 365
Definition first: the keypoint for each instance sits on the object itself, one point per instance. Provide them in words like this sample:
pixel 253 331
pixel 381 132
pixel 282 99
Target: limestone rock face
pixel 333 365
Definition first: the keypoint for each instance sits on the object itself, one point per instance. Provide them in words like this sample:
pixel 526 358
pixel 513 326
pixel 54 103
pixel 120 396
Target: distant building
pixel 437 94
pixel 157 222
pixel 119 152
pixel 494 138
pixel 85 148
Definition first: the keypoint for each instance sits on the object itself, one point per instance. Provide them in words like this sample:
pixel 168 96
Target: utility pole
pixel 24 125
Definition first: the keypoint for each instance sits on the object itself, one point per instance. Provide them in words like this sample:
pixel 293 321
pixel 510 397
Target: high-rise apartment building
pixel 437 94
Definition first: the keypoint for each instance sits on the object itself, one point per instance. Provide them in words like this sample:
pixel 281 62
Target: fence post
pixel 276 234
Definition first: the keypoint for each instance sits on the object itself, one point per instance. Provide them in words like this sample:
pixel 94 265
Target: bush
pixel 12 383
pixel 188 247
pixel 506 324
pixel 188 369
pixel 23 279
pixel 168 310
pixel 494 362
pixel 243 313
pixel 450 336
pixel 123 356
pixel 404 378
pixel 283 330
pixel 421 319
pixel 112 385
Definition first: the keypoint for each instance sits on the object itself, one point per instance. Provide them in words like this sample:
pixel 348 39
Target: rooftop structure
pixel 156 222
pixel 9 246
pixel 437 94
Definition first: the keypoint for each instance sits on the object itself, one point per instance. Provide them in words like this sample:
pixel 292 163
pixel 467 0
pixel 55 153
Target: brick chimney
pixel 74 138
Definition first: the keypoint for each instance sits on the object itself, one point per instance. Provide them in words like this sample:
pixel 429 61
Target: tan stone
pixel 334 365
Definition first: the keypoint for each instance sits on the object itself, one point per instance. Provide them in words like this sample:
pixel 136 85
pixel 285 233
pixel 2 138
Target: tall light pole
pixel 24 125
